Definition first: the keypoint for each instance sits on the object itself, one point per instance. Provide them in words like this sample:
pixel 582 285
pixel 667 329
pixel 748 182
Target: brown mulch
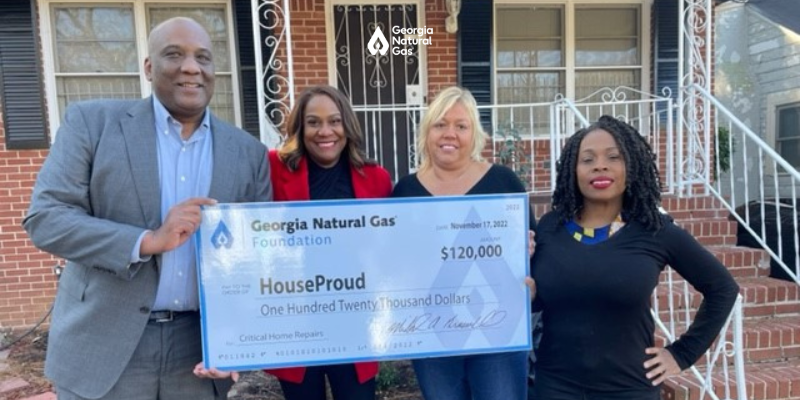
pixel 26 361
pixel 396 380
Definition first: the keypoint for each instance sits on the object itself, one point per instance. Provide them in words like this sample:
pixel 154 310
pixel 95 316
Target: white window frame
pixel 569 38
pixel 140 26
pixel 774 102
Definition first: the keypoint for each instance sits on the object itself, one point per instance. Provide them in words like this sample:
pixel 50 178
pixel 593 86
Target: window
pixel 111 41
pixel 531 66
pixel 571 49
pixel 787 135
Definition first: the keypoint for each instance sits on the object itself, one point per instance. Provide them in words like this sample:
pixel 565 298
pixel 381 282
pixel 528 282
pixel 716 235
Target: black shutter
pixel 667 45
pixel 20 83
pixel 475 53
pixel 247 66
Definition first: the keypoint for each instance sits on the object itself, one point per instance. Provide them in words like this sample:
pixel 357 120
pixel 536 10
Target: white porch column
pixel 695 69
pixel 272 28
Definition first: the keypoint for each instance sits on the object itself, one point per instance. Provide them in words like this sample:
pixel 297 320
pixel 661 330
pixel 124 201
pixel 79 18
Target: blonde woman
pixel 450 144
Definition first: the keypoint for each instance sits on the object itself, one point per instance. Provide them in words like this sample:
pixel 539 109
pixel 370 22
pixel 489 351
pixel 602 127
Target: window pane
pixel 95 39
pixel 529 22
pixel 602 52
pixel 222 101
pixel 588 82
pixel 789 122
pixel 790 150
pixel 529 37
pixel 212 18
pixel 71 89
pixel 606 22
pixel 522 88
pixel 607 36
pixel 529 53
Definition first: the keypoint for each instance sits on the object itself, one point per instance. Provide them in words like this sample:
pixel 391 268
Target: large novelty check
pixel 326 282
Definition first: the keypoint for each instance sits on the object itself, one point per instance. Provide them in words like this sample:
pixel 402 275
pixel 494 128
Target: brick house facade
pixel 27 281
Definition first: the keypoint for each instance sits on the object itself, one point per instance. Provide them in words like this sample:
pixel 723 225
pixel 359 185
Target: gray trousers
pixel 161 366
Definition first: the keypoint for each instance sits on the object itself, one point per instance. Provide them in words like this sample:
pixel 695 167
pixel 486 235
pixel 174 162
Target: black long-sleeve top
pixel 596 302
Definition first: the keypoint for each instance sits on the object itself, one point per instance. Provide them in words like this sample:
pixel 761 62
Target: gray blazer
pixel 95 194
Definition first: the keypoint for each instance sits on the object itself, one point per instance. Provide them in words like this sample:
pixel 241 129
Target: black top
pixel 596 302
pixel 330 183
pixel 498 179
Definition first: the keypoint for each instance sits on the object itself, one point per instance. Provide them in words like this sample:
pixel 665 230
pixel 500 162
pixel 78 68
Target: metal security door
pixel 385 88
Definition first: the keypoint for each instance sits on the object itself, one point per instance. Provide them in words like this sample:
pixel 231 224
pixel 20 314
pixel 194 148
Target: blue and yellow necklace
pixel 594 235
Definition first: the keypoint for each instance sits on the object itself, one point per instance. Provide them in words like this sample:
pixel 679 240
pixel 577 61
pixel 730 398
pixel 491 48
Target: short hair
pixel 294 149
pixel 446 99
pixel 642 196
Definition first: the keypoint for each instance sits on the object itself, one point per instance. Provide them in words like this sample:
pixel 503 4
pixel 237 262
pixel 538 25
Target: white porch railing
pixel 754 183
pixel 527 137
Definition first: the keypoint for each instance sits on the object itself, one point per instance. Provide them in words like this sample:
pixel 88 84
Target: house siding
pixel 756 61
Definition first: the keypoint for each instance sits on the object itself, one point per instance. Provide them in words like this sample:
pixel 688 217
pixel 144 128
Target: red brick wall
pixel 27 283
pixel 442 57
pixel 309 43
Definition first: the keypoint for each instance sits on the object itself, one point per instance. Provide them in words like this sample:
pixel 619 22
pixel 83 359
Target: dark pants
pixel 548 388
pixel 343 381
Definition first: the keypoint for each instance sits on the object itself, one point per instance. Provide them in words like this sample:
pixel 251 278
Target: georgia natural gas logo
pixel 222 236
pixel 402 39
pixel 378 40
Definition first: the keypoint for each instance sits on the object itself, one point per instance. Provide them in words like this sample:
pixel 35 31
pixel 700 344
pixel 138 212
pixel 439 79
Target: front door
pixel 385 88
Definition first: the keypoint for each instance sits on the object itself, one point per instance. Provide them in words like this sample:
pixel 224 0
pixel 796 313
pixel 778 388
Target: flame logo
pixel 372 46
pixel 222 237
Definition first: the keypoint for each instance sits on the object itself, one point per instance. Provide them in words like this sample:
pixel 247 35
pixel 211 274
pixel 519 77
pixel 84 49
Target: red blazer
pixel 290 186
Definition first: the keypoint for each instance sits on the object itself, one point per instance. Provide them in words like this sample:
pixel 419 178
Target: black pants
pixel 343 380
pixel 548 388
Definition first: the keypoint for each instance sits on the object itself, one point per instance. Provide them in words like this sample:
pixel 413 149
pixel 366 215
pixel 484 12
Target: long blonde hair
pixel 446 99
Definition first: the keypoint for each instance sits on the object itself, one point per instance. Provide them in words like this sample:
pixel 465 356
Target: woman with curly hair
pixel 598 257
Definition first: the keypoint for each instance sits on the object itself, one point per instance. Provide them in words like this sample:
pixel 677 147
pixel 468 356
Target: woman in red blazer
pixel 320 160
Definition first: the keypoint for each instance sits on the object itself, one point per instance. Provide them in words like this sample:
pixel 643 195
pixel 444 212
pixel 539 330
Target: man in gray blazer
pixel 118 197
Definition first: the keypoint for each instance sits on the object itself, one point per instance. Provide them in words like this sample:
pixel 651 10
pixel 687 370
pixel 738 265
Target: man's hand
pixel 182 221
pixel 213 373
pixel 661 366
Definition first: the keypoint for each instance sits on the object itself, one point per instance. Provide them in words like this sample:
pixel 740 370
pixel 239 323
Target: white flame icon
pixel 372 46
